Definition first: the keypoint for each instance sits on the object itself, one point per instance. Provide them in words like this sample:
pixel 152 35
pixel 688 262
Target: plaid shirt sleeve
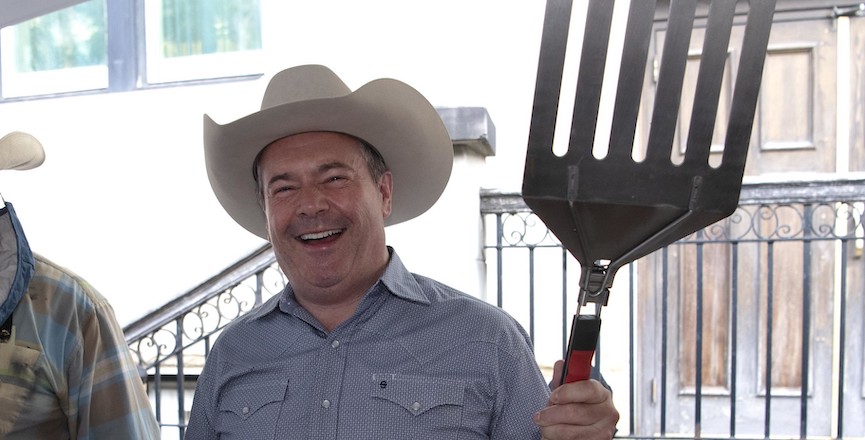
pixel 111 400
pixel 86 384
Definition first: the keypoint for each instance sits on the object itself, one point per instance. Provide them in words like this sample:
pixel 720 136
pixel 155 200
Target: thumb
pixel 558 370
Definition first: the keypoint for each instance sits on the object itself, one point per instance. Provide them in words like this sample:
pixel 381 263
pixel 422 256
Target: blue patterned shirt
pixel 417 360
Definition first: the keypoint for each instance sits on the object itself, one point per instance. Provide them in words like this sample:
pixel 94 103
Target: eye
pixel 336 180
pixel 281 189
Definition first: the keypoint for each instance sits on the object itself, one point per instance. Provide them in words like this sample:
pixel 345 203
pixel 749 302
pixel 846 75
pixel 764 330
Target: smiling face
pixel 325 215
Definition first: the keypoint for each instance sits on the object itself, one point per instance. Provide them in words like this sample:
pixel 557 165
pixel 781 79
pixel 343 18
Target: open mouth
pixel 319 236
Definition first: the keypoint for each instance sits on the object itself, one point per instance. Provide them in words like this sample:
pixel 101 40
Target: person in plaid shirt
pixel 65 368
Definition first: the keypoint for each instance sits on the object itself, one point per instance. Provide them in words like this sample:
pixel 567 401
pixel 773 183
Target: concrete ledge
pixel 470 128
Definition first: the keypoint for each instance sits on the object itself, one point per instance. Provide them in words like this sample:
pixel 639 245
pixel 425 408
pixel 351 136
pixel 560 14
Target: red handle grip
pixel 581 348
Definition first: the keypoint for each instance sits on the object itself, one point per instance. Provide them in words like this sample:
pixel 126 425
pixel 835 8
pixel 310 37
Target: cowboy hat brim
pixel 388 114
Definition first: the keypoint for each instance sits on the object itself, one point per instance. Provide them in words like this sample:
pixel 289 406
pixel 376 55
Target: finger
pixel 571 421
pixel 582 409
pixel 578 420
pixel 583 391
pixel 558 370
pixel 570 415
pixel 560 432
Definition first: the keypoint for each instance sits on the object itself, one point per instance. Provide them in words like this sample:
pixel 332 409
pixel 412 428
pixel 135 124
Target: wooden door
pixel 775 337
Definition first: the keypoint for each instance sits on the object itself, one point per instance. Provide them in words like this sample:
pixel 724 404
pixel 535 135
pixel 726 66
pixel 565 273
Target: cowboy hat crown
pixel 386 113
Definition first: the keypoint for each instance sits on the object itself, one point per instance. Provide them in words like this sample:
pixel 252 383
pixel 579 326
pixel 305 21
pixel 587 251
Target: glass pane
pixel 198 27
pixel 197 39
pixel 58 52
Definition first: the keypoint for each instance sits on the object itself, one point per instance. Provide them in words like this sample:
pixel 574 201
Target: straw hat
pixel 388 114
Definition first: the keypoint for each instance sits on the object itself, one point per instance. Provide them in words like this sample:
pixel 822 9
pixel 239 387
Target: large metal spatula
pixel 610 211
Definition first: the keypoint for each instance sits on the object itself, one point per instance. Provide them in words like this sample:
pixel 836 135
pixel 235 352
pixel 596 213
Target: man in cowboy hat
pixel 65 369
pixel 357 346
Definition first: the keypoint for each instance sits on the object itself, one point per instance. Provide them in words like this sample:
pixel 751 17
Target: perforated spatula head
pixel 614 208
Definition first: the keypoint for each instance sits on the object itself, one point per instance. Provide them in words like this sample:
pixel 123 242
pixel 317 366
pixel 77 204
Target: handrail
pixel 805 188
pixel 244 268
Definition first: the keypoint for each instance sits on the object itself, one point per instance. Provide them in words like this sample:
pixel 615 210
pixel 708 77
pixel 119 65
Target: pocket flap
pixel 417 394
pixel 244 400
pixel 18 362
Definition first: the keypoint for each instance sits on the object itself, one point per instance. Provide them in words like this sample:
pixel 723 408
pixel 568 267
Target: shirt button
pixel 245 410
pixel 415 406
pixel 334 344
pixel 325 403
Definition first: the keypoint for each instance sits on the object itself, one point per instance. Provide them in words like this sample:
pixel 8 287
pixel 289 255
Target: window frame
pixel 129 68
pixel 16 84
pixel 160 70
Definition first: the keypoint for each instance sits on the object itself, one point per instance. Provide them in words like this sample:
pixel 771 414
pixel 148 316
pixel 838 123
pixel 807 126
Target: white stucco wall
pixel 123 199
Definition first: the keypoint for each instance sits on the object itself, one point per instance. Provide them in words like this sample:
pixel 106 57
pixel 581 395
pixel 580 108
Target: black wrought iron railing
pixel 752 327
pixel 749 328
pixel 170 345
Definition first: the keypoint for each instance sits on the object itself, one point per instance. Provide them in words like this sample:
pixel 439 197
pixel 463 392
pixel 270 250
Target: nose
pixel 311 201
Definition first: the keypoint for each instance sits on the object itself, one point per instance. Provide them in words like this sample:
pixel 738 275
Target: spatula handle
pixel 585 330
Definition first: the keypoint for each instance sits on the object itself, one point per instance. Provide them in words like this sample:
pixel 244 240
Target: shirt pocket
pixel 409 406
pixel 246 410
pixel 18 380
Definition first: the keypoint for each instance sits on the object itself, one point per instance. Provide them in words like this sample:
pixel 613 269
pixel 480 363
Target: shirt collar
pixel 400 282
pixel 396 279
pixel 16 257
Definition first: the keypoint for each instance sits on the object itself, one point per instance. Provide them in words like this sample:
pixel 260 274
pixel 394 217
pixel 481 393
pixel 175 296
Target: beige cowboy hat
pixel 20 151
pixel 388 114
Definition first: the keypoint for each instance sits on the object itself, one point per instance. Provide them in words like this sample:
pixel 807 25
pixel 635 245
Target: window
pixel 69 50
pixel 198 39
pixel 58 52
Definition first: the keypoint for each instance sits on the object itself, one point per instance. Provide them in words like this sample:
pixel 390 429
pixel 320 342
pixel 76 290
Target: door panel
pixel 780 323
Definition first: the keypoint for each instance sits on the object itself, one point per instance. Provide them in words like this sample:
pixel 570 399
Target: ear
pixel 385 188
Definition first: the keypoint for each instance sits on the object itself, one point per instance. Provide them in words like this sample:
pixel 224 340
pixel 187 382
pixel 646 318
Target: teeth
pixel 318 235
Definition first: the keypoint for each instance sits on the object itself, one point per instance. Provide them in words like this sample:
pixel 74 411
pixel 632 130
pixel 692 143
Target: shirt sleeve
pixel 107 398
pixel 522 391
pixel 204 401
